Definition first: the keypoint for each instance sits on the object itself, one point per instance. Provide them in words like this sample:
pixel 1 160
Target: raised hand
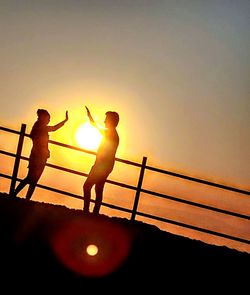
pixel 90 117
pixel 66 116
pixel 88 112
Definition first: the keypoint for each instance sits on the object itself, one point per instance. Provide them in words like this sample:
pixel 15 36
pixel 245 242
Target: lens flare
pixel 92 246
pixel 92 250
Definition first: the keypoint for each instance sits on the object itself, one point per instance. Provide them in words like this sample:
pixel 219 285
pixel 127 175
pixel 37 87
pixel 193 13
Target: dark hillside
pixel 42 250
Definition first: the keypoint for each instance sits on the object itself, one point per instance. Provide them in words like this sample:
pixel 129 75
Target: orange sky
pixel 177 73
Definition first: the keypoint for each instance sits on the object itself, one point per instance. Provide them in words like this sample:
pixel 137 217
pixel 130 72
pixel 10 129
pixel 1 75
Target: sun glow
pixel 87 136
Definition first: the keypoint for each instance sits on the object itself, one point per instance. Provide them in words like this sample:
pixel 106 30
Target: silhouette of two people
pixel 39 152
pixel 104 162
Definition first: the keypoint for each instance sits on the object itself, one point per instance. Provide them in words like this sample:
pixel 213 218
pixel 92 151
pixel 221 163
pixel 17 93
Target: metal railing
pixel 138 189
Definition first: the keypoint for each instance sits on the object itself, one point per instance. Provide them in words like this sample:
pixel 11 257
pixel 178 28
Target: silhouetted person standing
pixel 105 160
pixel 40 151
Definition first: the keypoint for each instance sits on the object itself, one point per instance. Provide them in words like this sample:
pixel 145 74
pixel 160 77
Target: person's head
pixel 43 116
pixel 112 119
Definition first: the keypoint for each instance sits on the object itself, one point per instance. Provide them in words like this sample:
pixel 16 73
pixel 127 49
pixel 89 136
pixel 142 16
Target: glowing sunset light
pixel 87 136
pixel 92 250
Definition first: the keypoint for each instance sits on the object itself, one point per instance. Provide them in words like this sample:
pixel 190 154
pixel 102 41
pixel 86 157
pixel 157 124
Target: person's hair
pixel 113 117
pixel 42 112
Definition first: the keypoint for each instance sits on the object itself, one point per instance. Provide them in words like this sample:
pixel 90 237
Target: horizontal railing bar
pixel 116 207
pixel 66 169
pixel 193 227
pixel 7 153
pixel 91 152
pixel 5 176
pixel 85 174
pixel 222 186
pixel 58 191
pixel 9 130
pixel 72 147
pixel 149 192
pixel 46 187
pixel 195 204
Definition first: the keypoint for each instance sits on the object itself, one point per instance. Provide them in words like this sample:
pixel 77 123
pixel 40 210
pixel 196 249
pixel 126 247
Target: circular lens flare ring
pixel 91 246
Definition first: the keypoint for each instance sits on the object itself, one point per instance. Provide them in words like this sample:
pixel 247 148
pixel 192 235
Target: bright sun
pixel 87 136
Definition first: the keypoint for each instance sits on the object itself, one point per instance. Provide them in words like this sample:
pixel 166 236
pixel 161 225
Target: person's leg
pixel 33 177
pixel 87 193
pixel 99 195
pixel 30 191
pixel 21 185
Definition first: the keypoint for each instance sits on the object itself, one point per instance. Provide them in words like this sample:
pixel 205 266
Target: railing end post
pixel 17 160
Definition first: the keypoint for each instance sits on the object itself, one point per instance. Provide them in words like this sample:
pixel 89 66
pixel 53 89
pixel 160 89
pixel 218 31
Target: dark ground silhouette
pixel 153 260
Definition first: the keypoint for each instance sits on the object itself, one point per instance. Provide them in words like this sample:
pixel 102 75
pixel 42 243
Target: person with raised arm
pixel 104 162
pixel 39 152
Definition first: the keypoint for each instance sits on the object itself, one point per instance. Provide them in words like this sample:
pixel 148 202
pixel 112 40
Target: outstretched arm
pixel 93 123
pixel 91 118
pixel 59 125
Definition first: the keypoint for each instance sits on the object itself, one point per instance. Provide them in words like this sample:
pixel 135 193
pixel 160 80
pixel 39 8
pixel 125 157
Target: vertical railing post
pixel 139 185
pixel 17 160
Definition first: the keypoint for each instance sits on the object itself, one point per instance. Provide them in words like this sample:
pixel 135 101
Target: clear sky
pixel 177 72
